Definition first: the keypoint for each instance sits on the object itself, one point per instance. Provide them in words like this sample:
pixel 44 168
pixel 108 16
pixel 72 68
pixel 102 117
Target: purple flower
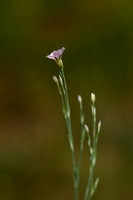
pixel 56 54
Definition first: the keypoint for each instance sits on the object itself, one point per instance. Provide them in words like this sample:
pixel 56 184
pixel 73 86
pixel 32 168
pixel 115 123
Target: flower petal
pixel 63 49
pixel 51 56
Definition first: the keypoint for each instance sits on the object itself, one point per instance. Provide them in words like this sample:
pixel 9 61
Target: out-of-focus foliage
pixel 35 161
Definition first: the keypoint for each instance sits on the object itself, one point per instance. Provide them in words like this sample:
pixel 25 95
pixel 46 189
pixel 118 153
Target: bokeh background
pixel 35 160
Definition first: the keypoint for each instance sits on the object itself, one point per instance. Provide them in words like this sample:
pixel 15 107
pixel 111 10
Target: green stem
pixel 92 151
pixel 70 136
pixel 82 136
pixel 88 189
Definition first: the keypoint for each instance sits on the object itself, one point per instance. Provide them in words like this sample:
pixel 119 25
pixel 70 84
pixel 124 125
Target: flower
pixel 56 55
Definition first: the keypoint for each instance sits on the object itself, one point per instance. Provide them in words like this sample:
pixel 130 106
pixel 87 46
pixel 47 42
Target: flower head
pixel 56 55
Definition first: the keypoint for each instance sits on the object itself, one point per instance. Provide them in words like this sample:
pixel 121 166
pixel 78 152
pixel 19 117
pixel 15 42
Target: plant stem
pixel 70 136
pixel 82 135
pixel 91 186
pixel 92 150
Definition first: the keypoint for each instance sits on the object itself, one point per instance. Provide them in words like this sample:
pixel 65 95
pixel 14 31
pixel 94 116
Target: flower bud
pixel 55 79
pixel 99 126
pixel 60 79
pixel 86 128
pixel 93 98
pixel 79 99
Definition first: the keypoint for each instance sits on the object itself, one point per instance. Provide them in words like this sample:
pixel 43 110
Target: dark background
pixel 35 160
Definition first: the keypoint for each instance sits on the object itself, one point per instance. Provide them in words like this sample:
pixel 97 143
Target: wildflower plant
pixel 92 141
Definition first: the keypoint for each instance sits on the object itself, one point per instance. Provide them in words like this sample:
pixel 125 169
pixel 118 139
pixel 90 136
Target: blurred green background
pixel 35 160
